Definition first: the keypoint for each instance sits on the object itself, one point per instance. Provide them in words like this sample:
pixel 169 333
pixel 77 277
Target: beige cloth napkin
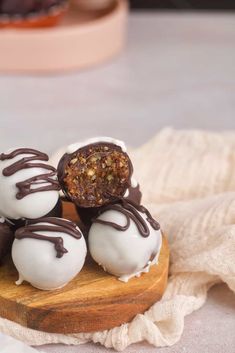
pixel 188 182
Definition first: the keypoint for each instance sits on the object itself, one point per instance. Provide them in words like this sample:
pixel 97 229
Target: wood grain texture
pixel 93 301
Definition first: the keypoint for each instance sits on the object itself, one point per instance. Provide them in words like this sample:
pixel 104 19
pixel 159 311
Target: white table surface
pixel 178 70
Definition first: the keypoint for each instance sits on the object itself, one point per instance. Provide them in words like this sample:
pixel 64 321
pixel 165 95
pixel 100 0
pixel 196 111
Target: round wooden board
pixel 93 301
pixel 82 39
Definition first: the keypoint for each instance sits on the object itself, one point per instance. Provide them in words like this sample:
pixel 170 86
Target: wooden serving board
pixel 93 301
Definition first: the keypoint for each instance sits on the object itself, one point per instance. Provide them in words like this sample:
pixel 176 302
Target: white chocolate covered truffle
pixel 48 253
pixel 28 184
pixel 125 240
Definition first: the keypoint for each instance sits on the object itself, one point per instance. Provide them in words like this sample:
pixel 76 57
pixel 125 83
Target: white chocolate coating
pixel 56 156
pixel 37 263
pixel 125 254
pixel 127 193
pixel 134 182
pixel 31 206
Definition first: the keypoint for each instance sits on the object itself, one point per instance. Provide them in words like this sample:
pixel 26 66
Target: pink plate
pixel 83 39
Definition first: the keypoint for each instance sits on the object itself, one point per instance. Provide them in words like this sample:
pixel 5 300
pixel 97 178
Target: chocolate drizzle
pixel 47 181
pixel 131 211
pixel 54 225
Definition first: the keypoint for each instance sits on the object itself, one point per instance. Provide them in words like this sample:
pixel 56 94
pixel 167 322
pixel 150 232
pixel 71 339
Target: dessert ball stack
pixel 95 175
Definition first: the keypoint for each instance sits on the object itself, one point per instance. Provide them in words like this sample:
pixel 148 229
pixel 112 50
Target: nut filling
pixel 96 174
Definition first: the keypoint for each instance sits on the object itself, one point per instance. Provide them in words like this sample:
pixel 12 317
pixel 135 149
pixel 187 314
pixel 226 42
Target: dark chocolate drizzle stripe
pixel 130 210
pixel 55 225
pixel 25 187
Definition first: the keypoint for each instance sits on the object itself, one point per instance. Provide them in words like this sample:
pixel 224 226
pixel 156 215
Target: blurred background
pixel 176 69
pixel 162 64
